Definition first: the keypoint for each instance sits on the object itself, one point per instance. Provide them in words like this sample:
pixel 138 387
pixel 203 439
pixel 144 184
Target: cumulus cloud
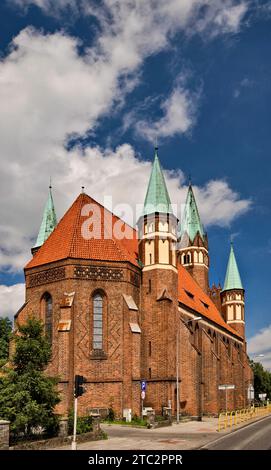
pixel 50 92
pixel 219 204
pixel 218 17
pixel 51 7
pixel 261 344
pixel 11 299
pixel 214 15
pixel 179 116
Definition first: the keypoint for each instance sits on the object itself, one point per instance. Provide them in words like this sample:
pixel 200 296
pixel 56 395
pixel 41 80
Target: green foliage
pixel 5 333
pixel 27 396
pixel 33 351
pixel 138 421
pixel 262 380
pixel 84 423
pixel 111 414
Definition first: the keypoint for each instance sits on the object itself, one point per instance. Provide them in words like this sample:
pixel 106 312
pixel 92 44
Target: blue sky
pixel 86 87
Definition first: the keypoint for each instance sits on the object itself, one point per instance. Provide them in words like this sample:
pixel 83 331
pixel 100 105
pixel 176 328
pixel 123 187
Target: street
pixel 256 436
pixel 185 435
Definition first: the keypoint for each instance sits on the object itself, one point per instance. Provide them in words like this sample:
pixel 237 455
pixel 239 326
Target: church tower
pixel 193 243
pixel 157 253
pixel 233 296
pixel 48 224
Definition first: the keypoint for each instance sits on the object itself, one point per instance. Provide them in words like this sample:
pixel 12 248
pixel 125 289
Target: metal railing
pixel 232 418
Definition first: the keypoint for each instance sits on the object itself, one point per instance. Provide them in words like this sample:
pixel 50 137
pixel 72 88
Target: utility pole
pixel 74 447
pixel 177 373
pixel 78 391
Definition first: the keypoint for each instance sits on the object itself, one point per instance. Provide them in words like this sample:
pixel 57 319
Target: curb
pixel 205 446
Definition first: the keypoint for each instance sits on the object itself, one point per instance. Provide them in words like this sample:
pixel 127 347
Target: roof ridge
pixel 79 198
pixel 108 210
pixel 68 241
pixel 200 294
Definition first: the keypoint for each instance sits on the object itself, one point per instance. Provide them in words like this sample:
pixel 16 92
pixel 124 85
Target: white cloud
pixel 219 17
pixel 261 344
pixel 216 16
pixel 219 204
pixel 49 91
pixel 51 7
pixel 244 83
pixel 230 18
pixel 179 116
pixel 11 299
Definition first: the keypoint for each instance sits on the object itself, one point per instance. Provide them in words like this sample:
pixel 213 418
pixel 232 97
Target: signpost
pixel 262 396
pixel 250 393
pixel 143 393
pixel 226 387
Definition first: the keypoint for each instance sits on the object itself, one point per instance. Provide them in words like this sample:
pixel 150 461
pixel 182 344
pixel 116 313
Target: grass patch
pixel 134 422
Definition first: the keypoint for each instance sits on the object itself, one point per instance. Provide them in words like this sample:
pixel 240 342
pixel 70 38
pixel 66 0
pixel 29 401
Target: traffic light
pixel 79 380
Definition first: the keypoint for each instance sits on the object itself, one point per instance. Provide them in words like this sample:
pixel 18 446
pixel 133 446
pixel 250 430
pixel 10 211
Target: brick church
pixel 121 306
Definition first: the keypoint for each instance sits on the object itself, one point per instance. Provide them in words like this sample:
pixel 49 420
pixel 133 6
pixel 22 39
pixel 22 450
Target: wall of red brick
pixel 72 353
pixel 204 362
pixel 158 340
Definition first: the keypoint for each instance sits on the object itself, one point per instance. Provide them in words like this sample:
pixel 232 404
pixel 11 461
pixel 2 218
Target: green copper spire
pixel 157 197
pixel 49 221
pixel 191 223
pixel 232 279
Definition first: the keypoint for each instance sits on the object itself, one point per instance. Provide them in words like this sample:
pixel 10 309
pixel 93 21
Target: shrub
pixel 111 414
pixel 84 423
pixel 27 395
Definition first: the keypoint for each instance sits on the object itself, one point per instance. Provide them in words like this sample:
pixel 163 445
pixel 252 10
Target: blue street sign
pixel 143 386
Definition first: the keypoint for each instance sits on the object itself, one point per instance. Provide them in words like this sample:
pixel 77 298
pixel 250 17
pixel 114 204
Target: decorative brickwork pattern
pixel 98 273
pixel 44 277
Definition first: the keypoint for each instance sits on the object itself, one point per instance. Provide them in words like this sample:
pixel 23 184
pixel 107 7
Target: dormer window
pixel 189 294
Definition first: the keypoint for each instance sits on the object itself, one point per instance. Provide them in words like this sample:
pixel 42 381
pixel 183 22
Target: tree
pixel 5 333
pixel 27 396
pixel 262 380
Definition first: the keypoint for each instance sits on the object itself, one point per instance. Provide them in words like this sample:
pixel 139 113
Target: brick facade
pixel 208 356
pixel 149 325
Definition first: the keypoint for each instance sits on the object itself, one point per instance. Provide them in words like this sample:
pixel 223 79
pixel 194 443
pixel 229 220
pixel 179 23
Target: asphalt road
pixel 256 436
pixel 189 435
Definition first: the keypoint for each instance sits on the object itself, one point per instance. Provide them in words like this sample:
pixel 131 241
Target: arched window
pixel 97 321
pixel 187 258
pixel 47 310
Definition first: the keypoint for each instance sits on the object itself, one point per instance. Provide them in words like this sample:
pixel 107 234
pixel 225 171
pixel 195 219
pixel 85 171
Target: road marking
pixel 233 431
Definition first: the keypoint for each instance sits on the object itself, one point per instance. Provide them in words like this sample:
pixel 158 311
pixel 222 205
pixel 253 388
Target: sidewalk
pixel 182 436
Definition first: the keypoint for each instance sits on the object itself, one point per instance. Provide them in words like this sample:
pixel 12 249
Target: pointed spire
pixel 232 279
pixel 157 198
pixel 49 220
pixel 191 223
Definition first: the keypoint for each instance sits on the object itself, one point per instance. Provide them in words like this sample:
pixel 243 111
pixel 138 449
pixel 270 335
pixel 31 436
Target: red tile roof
pixel 191 295
pixel 67 241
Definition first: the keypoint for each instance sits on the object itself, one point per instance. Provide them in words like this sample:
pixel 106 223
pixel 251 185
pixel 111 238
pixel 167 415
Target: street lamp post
pixel 178 365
